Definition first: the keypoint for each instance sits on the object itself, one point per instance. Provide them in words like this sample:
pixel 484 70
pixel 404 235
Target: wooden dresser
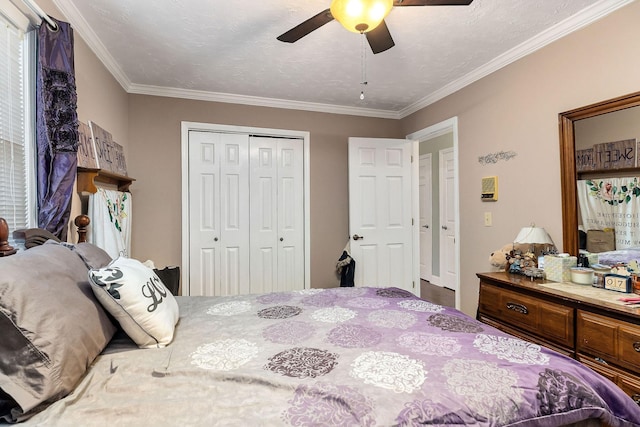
pixel 583 322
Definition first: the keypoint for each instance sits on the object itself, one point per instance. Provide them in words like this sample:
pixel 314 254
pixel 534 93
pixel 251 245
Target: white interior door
pixel 264 223
pixel 218 214
pixel 277 216
pixel 232 198
pixel 290 215
pixel 448 241
pixel 380 206
pixel 426 216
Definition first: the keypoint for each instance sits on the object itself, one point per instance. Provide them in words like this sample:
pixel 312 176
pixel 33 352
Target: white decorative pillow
pixel 138 300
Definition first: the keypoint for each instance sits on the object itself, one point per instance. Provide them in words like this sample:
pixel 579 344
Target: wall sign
pixel 109 154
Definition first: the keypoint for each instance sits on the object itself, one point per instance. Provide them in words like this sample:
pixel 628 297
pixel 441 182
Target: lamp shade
pixel 532 235
pixel 360 16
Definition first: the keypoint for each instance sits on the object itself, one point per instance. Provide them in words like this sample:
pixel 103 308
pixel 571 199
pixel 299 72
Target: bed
pixel 340 356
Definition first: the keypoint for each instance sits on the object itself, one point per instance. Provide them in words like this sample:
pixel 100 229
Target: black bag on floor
pixel 170 277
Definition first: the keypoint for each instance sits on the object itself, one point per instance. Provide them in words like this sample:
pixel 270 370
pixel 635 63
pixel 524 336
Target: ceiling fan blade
pixel 311 24
pixel 432 2
pixel 380 38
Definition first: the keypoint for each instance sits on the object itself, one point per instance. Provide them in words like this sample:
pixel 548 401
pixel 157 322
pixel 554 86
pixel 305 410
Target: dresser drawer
pixel 613 340
pixel 552 321
pixel 628 382
pixel 629 346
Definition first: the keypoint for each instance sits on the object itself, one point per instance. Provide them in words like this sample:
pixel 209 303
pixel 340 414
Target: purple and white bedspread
pixel 336 357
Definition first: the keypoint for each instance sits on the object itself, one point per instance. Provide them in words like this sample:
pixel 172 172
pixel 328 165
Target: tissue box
pixel 558 269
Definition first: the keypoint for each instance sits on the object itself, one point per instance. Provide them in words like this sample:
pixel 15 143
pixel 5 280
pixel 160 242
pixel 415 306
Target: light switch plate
pixel 487 219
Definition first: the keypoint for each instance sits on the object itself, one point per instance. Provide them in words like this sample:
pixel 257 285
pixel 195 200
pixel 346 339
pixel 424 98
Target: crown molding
pixel 583 18
pixel 259 101
pixel 82 27
pixel 569 25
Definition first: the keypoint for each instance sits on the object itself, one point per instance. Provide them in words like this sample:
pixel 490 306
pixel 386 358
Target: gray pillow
pixel 93 256
pixel 52 327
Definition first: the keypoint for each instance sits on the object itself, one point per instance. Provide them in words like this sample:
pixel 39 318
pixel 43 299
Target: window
pixel 16 120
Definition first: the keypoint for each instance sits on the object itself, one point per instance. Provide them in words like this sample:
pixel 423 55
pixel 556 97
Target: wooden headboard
pixel 5 248
pixel 81 221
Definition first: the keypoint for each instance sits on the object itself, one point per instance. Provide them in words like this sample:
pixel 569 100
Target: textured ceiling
pixel 228 49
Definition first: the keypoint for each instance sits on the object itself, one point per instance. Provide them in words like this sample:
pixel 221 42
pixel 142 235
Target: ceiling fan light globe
pixel 360 16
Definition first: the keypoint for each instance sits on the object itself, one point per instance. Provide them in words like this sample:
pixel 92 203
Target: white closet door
pixel 218 213
pixel 264 221
pixel 290 215
pixel 277 221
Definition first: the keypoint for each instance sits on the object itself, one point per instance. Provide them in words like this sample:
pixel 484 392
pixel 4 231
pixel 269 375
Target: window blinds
pixel 14 168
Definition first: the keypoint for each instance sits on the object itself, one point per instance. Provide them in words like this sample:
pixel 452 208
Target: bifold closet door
pixel 277 214
pixel 218 214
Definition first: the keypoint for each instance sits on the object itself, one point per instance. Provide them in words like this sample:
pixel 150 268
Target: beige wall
pixel 616 126
pixel 154 161
pixel 517 109
pixel 514 109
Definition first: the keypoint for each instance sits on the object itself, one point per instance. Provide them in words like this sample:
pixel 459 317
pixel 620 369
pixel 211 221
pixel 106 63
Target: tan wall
pixel 517 109
pixel 616 126
pixel 154 160
pixel 100 97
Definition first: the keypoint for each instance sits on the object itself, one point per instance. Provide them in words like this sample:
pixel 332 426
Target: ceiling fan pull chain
pixel 363 58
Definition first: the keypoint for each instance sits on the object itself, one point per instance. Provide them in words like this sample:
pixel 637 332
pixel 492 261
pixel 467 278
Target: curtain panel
pixel 612 203
pixel 56 127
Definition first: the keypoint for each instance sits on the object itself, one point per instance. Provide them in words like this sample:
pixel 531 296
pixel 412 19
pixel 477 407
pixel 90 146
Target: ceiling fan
pixel 362 16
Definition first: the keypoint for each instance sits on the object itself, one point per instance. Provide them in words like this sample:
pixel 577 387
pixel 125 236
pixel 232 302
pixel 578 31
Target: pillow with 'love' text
pixel 134 295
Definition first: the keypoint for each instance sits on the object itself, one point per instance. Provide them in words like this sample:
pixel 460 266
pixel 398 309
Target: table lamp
pixel 533 235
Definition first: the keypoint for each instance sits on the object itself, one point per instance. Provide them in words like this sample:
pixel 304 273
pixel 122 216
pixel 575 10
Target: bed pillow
pixel 52 328
pixel 138 300
pixel 92 255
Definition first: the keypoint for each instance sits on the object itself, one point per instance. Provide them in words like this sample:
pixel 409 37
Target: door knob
pixel 356 237
pixel 425 226
pixel 444 227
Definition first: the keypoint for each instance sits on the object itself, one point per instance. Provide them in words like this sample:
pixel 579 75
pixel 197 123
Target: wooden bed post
pixel 5 248
pixel 82 222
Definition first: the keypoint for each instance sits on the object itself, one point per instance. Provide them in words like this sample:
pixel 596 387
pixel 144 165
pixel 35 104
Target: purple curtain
pixel 56 127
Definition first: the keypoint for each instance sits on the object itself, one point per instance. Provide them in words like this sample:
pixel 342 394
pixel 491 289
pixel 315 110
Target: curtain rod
pixel 33 6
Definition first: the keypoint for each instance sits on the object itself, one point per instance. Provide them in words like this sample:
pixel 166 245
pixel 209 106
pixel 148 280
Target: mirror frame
pixel 568 174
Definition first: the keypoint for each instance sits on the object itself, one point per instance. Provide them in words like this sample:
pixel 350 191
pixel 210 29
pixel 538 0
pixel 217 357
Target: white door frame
pixel 433 131
pixel 184 159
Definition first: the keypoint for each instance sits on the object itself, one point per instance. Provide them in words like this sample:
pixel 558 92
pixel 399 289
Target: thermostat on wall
pixel 489 189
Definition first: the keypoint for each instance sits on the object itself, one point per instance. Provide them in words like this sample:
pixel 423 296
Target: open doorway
pixel 438 219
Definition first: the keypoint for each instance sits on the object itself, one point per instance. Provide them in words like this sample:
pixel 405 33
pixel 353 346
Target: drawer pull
pixel 636 398
pixel 636 346
pixel 519 308
pixel 599 360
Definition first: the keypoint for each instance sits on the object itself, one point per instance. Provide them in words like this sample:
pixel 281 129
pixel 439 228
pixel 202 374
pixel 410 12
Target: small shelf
pixel 88 177
pixel 597 173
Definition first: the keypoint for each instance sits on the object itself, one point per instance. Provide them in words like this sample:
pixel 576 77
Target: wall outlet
pixel 487 219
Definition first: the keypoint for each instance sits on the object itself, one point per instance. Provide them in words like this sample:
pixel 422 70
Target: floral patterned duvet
pixel 336 357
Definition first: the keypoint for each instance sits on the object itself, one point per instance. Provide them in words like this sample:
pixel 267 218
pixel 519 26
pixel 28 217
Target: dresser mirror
pixel 570 123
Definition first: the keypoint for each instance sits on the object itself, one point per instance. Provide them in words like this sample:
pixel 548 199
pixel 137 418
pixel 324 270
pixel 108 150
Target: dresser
pixel 583 322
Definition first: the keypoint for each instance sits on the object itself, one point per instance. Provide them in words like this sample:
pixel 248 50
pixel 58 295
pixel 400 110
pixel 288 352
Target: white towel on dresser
pixel 110 213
